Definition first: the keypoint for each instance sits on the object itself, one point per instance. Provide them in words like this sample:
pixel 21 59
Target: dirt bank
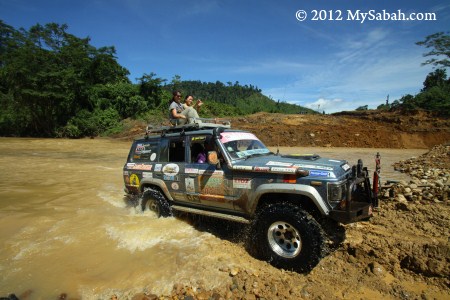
pixel 368 129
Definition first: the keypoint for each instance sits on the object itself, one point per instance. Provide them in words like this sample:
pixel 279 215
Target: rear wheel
pixel 155 201
pixel 288 238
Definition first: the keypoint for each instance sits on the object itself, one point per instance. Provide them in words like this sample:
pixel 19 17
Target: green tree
pixel 440 45
pixel 437 78
pixel 48 75
pixel 150 88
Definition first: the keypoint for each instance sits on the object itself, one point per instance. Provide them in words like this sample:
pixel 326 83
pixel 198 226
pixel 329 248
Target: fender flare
pixel 297 189
pixel 155 182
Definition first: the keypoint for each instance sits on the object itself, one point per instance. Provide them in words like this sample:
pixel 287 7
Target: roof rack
pixel 198 123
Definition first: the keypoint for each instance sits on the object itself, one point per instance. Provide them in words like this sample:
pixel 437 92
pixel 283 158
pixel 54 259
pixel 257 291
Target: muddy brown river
pixel 65 227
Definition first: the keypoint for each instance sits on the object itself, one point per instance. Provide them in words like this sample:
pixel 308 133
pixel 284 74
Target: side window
pixel 173 150
pixel 144 151
pixel 197 149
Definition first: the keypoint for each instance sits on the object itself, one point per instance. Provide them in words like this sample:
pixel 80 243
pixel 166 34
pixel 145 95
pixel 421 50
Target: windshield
pixel 243 144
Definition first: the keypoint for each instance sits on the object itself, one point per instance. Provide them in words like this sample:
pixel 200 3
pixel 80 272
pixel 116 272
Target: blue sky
pixel 327 65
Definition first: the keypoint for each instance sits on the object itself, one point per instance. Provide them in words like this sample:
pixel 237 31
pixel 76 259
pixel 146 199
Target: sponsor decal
pixel 243 168
pixel 130 165
pixel 210 172
pixel 261 169
pixel 283 170
pixel 125 172
pixel 190 185
pixel 139 148
pixel 242 183
pixel 147 175
pixel 345 167
pixel 211 185
pixel 321 173
pixel 142 167
pixel 158 167
pixel 276 163
pixel 171 169
pixel 191 171
pixel 170 178
pixel 175 186
pixel 153 156
pixel 198 138
pixel 134 180
pixel 313 167
pixel 193 198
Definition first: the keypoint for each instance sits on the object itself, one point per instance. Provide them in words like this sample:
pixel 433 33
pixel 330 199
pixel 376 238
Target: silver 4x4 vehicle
pixel 282 197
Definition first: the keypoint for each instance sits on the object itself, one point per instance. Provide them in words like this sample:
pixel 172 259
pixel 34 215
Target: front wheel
pixel 288 238
pixel 155 201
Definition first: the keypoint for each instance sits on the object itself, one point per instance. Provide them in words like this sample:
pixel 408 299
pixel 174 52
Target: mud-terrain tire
pixel 155 201
pixel 288 237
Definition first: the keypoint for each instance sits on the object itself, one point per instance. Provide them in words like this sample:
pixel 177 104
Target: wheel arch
pixel 303 196
pixel 155 183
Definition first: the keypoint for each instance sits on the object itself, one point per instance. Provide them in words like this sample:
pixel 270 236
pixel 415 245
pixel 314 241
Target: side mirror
pixel 213 158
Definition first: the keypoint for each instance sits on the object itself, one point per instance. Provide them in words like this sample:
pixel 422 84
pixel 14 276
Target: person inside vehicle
pixel 198 153
pixel 178 114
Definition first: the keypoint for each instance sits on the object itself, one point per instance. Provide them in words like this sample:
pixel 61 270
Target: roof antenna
pixel 278 145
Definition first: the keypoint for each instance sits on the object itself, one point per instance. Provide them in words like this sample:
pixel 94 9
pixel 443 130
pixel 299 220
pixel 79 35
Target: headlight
pixel 336 192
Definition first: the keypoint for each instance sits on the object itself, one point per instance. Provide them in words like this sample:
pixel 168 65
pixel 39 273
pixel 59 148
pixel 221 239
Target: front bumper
pixel 355 212
pixel 359 199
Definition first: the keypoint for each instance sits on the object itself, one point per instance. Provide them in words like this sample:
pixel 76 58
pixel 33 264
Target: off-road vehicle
pixel 282 197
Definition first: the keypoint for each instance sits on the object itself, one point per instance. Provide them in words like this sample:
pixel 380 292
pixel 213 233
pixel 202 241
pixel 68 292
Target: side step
pixel 211 214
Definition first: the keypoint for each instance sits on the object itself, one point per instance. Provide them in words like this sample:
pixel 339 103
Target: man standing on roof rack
pixel 178 114
pixel 189 102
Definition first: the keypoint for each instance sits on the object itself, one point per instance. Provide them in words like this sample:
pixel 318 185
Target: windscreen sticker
pixel 235 136
pixel 242 183
pixel 276 163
